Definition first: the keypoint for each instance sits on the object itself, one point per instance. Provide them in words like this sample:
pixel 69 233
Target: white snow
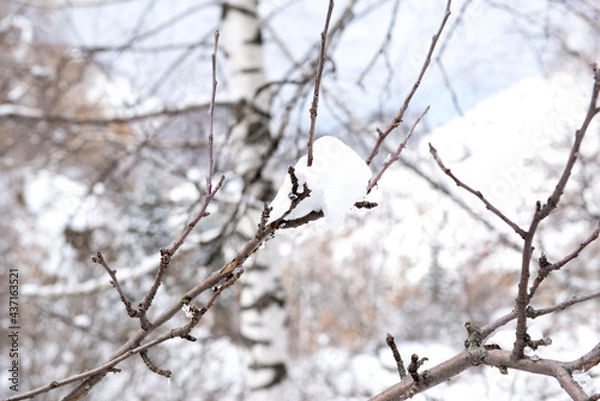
pixel 337 179
pixel 586 382
pixel 18 110
pixel 505 339
pixel 185 192
pixel 504 154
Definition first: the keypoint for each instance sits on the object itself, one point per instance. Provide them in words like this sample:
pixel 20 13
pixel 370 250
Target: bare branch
pixel 478 194
pixel 393 158
pixel 547 367
pixel 587 361
pixel 98 258
pixel 166 254
pixel 546 267
pixel 541 212
pixel 389 340
pixel 132 347
pixel 533 313
pixel 407 388
pixel 152 366
pixel 593 237
pixel 315 102
pixel 211 112
pixel 554 198
pixel 499 358
pixel 29 114
pixel 398 118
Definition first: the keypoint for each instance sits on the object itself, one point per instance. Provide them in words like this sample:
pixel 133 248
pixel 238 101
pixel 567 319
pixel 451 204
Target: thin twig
pixel 210 190
pixel 593 237
pixel 546 267
pixel 127 351
pixel 414 365
pixel 166 255
pixel 394 157
pixel 389 340
pixel 213 97
pixel 152 366
pixel 315 102
pixel 383 47
pixel 398 118
pixel 458 19
pixel 35 115
pixel 533 313
pixel 478 194
pixel 99 258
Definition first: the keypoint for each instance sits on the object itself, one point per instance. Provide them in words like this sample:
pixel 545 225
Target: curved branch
pixel 499 358
pixel 478 194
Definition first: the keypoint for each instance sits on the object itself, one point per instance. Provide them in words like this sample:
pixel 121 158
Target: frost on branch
pixel 337 179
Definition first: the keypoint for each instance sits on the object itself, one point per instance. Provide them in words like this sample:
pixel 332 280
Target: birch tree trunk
pixel 263 314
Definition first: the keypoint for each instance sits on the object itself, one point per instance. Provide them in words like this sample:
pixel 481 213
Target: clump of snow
pixel 504 339
pixel 337 179
pixel 187 309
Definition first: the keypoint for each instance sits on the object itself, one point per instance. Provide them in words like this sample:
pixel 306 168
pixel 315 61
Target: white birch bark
pixel 241 42
pixel 263 315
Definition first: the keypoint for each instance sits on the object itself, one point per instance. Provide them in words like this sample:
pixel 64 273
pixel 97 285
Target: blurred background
pixel 103 147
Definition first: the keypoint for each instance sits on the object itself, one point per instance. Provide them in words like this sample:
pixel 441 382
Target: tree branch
pixel 98 258
pixel 499 358
pixel 398 118
pixel 478 194
pixel 546 267
pixel 394 157
pixel 315 101
pixel 29 114
pixel 166 254
pixel 541 212
pixel 389 340
pixel 213 97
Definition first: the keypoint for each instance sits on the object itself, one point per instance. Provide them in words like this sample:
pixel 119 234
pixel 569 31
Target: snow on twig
pixel 337 179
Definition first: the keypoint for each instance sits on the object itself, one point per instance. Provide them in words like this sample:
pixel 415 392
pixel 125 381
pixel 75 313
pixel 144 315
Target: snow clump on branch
pixel 337 179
